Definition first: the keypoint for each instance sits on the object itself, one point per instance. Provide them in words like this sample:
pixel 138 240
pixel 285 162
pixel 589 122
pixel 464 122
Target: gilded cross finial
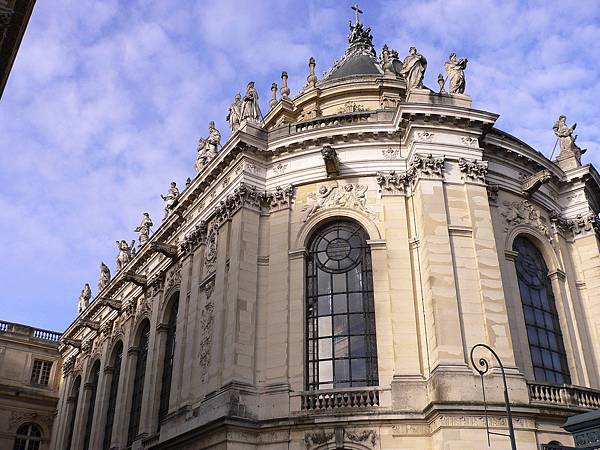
pixel 358 12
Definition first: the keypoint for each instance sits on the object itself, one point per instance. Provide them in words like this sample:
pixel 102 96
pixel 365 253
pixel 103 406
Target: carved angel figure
pixel 455 68
pixel 84 298
pixel 413 69
pixel 143 229
pixel 250 109
pixel 234 116
pixel 568 147
pixel 170 198
pixel 104 278
pixel 325 195
pixel 208 147
pixel 124 255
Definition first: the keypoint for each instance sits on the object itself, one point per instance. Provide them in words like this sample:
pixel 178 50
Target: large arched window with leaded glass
pixel 546 345
pixel 115 375
pixel 138 382
pixel 341 349
pixel 167 375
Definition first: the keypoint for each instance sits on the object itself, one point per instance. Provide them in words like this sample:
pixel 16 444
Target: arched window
pixel 138 383
pixel 90 415
pixel 74 399
pixel 116 359
pixel 165 389
pixel 28 437
pixel 548 354
pixel 341 348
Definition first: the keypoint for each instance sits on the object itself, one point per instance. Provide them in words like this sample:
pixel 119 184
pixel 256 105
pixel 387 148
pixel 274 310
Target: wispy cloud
pixel 107 100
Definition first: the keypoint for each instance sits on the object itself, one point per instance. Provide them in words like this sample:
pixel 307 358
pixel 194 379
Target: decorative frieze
pixel 469 141
pixel 280 169
pixel 318 437
pixel 330 195
pixel 424 136
pixel 365 437
pixel 473 170
pixel 173 277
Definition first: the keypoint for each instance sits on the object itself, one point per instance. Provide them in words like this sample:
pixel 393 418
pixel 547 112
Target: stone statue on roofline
pixel 413 69
pixel 84 298
pixel 104 278
pixel 566 139
pixel 125 253
pixel 455 69
pixel 170 198
pixel 234 116
pixel 143 229
pixel 208 147
pixel 250 108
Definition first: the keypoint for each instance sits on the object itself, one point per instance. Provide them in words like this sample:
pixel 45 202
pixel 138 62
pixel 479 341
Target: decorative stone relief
pixel 16 419
pixel 473 170
pixel 86 347
pixel 206 325
pixel 281 197
pixel 209 287
pixel 68 365
pixel 424 136
pixel 368 437
pixel 280 168
pixel 316 438
pixel 523 212
pixel 330 195
pixel 210 254
pixel 174 276
pixel 106 329
pixel 470 141
pixel 155 285
pixel 350 107
pixel 144 306
pixel 251 167
pixel 225 182
pixel 390 153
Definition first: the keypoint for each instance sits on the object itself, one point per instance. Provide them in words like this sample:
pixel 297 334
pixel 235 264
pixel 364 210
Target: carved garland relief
pixel 331 195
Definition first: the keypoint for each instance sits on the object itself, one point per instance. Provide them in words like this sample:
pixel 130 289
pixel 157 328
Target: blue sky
pixel 107 100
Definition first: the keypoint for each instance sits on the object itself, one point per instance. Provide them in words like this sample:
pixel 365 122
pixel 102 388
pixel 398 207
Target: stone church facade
pixel 320 282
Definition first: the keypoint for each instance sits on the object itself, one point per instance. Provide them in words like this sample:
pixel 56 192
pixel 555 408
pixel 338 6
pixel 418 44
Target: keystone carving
pixel 523 212
pixel 331 160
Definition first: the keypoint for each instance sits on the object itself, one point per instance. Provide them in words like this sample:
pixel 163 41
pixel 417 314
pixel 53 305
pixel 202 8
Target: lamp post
pixel 482 370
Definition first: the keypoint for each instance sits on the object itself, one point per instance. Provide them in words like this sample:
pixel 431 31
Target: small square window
pixel 40 373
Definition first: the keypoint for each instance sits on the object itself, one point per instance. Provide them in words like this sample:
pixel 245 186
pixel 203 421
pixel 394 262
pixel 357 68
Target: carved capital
pixel 392 182
pixel 280 198
pixel 473 170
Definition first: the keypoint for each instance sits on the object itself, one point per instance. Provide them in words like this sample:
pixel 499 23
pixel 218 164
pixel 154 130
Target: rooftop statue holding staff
pixel 170 198
pixel 413 69
pixel 125 253
pixel 208 147
pixel 234 116
pixel 455 68
pixel 250 109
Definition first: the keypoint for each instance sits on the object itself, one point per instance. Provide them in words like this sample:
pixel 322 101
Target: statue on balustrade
pixel 104 278
pixel 84 298
pixel 455 68
pixel 143 229
pixel 208 147
pixel 413 69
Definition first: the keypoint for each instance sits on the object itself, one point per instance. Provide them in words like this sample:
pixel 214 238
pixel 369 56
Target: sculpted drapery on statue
pixel 170 198
pixel 84 298
pixel 455 68
pixel 143 229
pixel 250 109
pixel 125 253
pixel 208 147
pixel 568 147
pixel 413 69
pixel 104 278
pixel 234 116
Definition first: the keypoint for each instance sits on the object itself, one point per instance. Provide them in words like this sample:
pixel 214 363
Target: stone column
pixel 64 410
pixel 435 275
pixel 240 299
pixel 124 391
pixel 82 407
pixel 101 398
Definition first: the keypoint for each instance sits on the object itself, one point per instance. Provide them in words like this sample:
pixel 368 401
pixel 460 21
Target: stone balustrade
pixel 28 332
pixel 565 395
pixel 324 400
